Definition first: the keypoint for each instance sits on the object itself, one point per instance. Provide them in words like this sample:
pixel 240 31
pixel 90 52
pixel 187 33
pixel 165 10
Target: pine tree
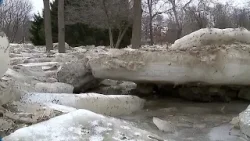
pixel 37 30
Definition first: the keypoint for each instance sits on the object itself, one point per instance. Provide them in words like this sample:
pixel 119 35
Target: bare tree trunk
pixel 111 41
pixel 150 4
pixel 61 26
pixel 47 22
pixel 179 27
pixel 136 34
pixel 179 32
pixel 120 37
pixel 15 29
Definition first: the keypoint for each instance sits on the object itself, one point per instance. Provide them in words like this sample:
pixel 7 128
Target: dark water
pixel 193 121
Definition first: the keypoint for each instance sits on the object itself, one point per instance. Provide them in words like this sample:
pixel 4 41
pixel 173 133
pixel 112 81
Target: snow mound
pixel 81 125
pixel 212 36
pixel 4 54
pixel 112 105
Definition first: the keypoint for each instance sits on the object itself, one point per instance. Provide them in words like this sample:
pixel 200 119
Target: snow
pixel 77 126
pixel 4 54
pixel 112 105
pixel 212 36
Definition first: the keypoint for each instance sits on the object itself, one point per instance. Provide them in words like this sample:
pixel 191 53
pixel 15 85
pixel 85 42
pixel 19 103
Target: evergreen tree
pixel 37 30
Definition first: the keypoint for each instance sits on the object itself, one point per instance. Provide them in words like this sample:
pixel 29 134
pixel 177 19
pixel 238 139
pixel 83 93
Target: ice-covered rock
pixel 81 125
pixel 56 87
pixel 112 105
pixel 4 54
pixel 77 74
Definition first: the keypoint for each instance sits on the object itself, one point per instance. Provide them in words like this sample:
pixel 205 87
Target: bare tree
pixel 107 14
pixel 240 17
pixel 160 30
pixel 197 15
pixel 15 17
pixel 177 13
pixel 47 23
pixel 221 16
pixel 61 26
pixel 136 34
pixel 154 8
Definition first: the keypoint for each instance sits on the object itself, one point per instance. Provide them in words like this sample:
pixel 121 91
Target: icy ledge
pixel 81 125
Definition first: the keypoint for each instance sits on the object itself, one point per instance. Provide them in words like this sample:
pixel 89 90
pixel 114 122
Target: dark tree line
pixel 75 34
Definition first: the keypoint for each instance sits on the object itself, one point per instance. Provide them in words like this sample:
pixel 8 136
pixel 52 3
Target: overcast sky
pixel 38 4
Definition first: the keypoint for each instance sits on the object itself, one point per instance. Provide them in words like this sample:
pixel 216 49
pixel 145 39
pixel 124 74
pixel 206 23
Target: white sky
pixel 38 4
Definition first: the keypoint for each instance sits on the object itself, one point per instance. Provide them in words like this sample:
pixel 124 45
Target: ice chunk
pixel 80 125
pixel 112 105
pixel 164 126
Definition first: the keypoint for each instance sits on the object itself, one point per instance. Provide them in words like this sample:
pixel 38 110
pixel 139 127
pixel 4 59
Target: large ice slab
pixel 81 125
pixel 200 60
